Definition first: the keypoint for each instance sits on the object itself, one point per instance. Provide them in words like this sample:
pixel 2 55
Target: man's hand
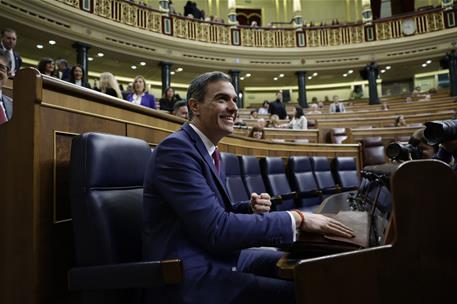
pixel 260 203
pixel 3 76
pixel 325 225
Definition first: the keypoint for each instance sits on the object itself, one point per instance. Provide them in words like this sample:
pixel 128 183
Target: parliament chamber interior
pixel 345 108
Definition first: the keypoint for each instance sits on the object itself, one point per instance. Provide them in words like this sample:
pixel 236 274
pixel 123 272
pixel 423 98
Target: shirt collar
pixel 210 147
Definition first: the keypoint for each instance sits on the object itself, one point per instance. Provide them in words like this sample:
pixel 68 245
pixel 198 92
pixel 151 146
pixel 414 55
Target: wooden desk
pixel 419 265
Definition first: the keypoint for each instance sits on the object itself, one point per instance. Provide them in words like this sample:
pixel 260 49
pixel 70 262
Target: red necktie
pixel 217 160
pixel 3 117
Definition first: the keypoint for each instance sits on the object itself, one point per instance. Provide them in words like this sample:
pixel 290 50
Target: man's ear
pixel 194 106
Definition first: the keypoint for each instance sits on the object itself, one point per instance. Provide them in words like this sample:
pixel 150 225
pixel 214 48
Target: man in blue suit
pixel 188 214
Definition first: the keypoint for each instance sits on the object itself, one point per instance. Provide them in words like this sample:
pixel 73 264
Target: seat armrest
pixel 308 194
pixel 277 199
pixel 126 275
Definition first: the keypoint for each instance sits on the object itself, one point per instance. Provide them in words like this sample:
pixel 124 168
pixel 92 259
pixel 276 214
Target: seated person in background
pixel 419 141
pixel 168 100
pixel 46 66
pixel 408 99
pixel 109 85
pixel 277 107
pixel 140 95
pixel 6 104
pixel 188 214
pixel 314 109
pixel 253 114
pixel 257 132
pixel 264 109
pixel 239 121
pixel 400 121
pixel 320 104
pixel 385 106
pixel 180 109
pixel 261 123
pixel 337 106
pixel 416 92
pixel 314 100
pixel 298 121
pixel 77 76
pixel 425 97
pixel 274 122
pixel 63 70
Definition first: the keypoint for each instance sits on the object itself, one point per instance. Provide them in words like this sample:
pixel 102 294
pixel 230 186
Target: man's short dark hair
pixel 5 56
pixel 197 88
pixel 178 104
pixel 7 30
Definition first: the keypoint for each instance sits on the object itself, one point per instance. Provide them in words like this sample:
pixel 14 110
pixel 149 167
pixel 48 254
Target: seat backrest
pixel 251 174
pixel 302 179
pixel 107 197
pixel 323 174
pixel 274 173
pixel 373 151
pixel 346 174
pixel 233 181
pixel 338 135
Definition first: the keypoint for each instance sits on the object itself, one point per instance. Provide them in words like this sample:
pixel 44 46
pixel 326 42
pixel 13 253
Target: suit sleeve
pixel 181 181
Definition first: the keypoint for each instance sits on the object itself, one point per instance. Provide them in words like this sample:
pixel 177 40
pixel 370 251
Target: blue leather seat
pixel 233 181
pixel 276 181
pixel 346 174
pixel 107 203
pixel 251 174
pixel 303 182
pixel 323 175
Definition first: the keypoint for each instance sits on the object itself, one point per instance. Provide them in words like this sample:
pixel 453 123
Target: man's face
pixel 279 96
pixel 182 112
pixel 216 114
pixel 9 40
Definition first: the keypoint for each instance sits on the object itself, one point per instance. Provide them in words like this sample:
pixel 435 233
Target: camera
pixel 399 151
pixel 440 131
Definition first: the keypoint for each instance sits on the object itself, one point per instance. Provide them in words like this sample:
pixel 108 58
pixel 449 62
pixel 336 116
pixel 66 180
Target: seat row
pixel 303 183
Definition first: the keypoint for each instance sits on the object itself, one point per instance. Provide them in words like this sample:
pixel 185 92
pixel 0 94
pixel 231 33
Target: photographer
pixel 417 148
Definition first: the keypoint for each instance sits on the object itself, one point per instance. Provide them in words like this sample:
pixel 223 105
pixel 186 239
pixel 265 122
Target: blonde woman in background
pixel 109 85
pixel 140 95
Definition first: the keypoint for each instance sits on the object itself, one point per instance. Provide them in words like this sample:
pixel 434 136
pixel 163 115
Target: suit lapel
pixel 209 162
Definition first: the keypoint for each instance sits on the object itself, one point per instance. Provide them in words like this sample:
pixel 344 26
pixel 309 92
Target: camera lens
pixel 440 131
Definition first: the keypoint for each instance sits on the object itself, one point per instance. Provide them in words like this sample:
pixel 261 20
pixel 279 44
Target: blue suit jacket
pixel 188 215
pixel 8 105
pixel 147 100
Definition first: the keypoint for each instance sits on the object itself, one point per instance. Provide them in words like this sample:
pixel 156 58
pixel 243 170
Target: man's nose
pixel 232 105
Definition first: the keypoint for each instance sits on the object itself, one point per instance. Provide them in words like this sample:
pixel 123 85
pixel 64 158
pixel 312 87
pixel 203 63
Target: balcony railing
pixel 138 16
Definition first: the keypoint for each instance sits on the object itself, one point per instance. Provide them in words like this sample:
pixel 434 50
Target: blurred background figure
pixel 253 114
pixel 168 100
pixel 76 76
pixel 400 121
pixel 314 109
pixel 109 85
pixel 63 71
pixel 298 121
pixel 46 66
pixel 264 109
pixel 140 95
pixel 180 109
pixel 257 132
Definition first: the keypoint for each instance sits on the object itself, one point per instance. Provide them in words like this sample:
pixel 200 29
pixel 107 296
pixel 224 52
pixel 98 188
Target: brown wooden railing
pixel 216 33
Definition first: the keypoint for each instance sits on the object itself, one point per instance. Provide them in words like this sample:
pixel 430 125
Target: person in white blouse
pixel 299 121
pixel 264 108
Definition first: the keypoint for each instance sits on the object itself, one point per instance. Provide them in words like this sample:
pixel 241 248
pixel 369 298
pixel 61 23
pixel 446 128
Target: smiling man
pixel 188 214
